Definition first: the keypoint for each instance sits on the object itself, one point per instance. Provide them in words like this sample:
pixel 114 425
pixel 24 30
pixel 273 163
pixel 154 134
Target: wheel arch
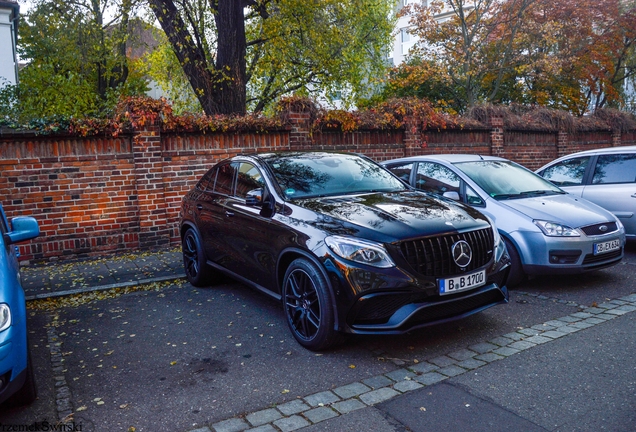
pixel 521 245
pixel 187 225
pixel 287 257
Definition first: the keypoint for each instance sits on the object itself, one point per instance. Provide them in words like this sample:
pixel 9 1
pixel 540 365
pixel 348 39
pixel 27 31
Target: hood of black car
pixel 399 215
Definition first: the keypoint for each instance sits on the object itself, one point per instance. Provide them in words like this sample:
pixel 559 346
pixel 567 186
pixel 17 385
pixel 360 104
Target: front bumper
pixel 367 316
pixel 396 301
pixel 13 361
pixel 542 255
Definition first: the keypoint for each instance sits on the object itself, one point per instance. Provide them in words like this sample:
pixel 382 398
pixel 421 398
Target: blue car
pixel 17 385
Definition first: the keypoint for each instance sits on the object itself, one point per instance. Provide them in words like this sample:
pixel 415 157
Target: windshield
pixel 507 180
pixel 307 175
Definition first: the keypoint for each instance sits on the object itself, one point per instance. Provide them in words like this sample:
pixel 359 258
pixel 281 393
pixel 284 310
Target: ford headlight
pixel 553 229
pixel 5 316
pixel 360 251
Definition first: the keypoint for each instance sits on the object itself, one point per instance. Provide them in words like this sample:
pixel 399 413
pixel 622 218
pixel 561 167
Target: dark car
pixel 17 385
pixel 345 244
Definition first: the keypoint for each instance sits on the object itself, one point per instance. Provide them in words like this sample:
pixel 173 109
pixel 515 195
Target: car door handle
pixel 229 213
pixel 634 195
pixel 199 207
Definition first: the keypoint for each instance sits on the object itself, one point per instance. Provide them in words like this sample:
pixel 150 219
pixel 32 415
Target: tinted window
pixel 249 178
pixel 436 178
pixel 225 179
pixel 620 168
pixel 207 182
pixel 310 175
pixel 403 171
pixel 568 172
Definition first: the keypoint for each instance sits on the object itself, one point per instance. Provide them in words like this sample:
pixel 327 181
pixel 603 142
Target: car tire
pixel 308 308
pixel 28 392
pixel 516 274
pixel 198 272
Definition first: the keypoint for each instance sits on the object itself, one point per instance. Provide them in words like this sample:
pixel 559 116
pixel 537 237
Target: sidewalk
pixel 115 271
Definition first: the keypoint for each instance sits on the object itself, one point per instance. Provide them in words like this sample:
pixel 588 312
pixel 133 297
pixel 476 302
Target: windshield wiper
pixel 543 192
pixel 505 196
pixel 523 194
pixel 534 192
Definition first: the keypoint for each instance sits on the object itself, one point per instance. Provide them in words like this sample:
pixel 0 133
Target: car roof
pixel 600 151
pixel 450 157
pixel 607 150
pixel 300 153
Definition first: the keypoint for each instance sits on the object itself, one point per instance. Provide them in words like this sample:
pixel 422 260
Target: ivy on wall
pixel 134 113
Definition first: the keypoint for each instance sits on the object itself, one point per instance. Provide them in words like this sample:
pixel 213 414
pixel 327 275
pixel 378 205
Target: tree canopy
pixel 240 55
pixel 569 55
pixel 77 61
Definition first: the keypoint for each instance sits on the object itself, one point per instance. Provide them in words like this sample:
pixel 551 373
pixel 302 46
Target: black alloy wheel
pixel 197 271
pixel 308 308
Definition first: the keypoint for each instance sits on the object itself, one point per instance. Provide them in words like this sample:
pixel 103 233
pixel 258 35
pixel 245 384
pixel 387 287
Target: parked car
pixel 606 177
pixel 343 243
pixel 17 384
pixel 546 230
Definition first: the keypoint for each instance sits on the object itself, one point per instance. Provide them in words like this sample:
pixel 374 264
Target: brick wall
pixel 100 195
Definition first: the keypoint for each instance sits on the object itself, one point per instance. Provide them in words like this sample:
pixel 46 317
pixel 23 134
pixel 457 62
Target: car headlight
pixel 553 229
pixel 5 316
pixel 360 251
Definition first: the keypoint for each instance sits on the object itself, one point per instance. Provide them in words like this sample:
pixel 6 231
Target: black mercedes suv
pixel 344 244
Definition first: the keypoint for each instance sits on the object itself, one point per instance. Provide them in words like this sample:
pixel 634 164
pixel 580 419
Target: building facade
pixel 9 13
pixel 404 39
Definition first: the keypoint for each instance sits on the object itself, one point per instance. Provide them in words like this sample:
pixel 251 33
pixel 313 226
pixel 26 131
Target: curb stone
pixel 63 395
pixel 105 287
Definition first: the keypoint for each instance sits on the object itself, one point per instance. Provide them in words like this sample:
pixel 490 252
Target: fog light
pixel 564 256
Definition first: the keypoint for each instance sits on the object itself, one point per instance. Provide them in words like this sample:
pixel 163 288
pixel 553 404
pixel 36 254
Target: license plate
pixel 461 283
pixel 607 246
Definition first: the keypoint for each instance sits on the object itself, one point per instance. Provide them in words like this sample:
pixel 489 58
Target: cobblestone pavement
pixel 318 407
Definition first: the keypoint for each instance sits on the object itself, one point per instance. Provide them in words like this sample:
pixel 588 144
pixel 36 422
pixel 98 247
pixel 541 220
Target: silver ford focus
pixel 546 230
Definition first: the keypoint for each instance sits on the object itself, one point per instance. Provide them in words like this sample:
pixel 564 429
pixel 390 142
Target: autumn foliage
pixel 574 56
pixel 135 113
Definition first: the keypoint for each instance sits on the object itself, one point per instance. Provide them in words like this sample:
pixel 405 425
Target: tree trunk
pixel 230 60
pixel 220 88
pixel 191 57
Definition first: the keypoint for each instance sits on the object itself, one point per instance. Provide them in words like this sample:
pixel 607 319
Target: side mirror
pixel 23 228
pixel 263 199
pixel 452 195
pixel 268 207
pixel 254 198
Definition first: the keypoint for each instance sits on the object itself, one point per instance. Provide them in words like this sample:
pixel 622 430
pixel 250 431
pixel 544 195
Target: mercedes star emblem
pixel 462 254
